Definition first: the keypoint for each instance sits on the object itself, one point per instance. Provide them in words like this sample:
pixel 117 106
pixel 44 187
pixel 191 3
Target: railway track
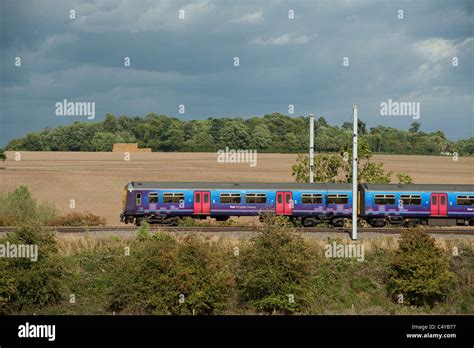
pixel 246 229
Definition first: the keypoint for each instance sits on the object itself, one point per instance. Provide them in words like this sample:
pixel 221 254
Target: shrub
pixel 164 276
pixel 144 231
pixel 3 156
pixel 78 219
pixel 203 275
pixel 19 207
pixel 7 289
pixel 419 270
pixel 460 300
pixel 348 286
pixel 26 282
pixel 276 270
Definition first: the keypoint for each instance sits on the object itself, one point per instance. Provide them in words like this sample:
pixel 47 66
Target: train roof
pixel 419 187
pixel 239 186
pixel 299 186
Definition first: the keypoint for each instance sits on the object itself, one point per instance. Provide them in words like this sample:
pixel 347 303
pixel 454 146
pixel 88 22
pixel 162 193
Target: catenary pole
pixel 311 147
pixel 354 173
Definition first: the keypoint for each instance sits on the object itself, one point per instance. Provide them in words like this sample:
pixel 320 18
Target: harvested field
pixel 95 180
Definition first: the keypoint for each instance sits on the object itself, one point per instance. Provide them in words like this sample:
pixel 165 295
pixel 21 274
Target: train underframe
pixel 384 221
pixel 312 221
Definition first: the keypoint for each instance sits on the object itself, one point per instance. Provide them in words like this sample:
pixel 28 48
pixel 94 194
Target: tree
pixel 404 178
pixel 347 126
pixel 234 134
pixel 465 147
pixel 32 142
pixel 415 127
pixel 321 122
pixel 271 133
pixel 276 270
pixel 104 141
pixel 338 167
pixel 109 124
pixel 173 137
pixel 420 272
pixel 3 156
pixel 328 168
pixel 361 127
pixel 261 138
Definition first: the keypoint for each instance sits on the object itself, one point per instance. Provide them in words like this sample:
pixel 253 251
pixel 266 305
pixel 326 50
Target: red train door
pixel 434 204
pixel 284 203
pixel 443 204
pixel 202 202
pixel 439 204
pixel 279 209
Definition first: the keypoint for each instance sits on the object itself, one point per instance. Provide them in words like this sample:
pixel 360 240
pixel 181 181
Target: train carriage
pixel 308 204
pixel 166 202
pixel 442 205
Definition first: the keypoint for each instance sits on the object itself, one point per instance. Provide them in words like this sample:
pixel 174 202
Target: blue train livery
pixel 308 204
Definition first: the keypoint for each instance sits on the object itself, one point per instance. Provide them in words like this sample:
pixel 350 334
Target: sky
pixel 321 57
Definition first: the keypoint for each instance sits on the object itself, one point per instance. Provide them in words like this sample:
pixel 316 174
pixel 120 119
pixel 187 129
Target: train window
pixel 410 199
pixel 279 197
pixel 173 197
pixel 384 199
pixel 138 199
pixel 206 197
pixel 197 198
pixel 256 198
pixel 465 200
pixel 337 199
pixel 230 198
pixel 434 200
pixel 153 197
pixel 442 200
pixel 311 198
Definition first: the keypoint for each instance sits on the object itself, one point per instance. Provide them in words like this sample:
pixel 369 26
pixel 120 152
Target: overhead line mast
pixel 354 173
pixel 311 147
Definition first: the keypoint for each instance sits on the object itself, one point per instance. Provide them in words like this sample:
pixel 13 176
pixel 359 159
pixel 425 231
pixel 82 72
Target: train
pixel 305 204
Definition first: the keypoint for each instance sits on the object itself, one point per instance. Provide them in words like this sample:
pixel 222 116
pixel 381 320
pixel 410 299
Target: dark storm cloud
pixel 282 61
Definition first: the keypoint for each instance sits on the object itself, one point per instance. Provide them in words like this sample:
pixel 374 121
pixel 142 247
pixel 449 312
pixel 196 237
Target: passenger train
pixel 307 204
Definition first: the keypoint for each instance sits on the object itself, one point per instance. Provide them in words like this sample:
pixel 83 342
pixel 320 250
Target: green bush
pixel 144 231
pixel 347 286
pixel 3 155
pixel 7 288
pixel 461 298
pixel 164 276
pixel 419 270
pixel 26 282
pixel 19 207
pixel 276 270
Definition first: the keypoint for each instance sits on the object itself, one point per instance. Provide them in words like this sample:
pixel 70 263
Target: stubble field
pixel 95 180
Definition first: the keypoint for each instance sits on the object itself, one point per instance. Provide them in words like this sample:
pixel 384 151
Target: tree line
pixel 271 133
